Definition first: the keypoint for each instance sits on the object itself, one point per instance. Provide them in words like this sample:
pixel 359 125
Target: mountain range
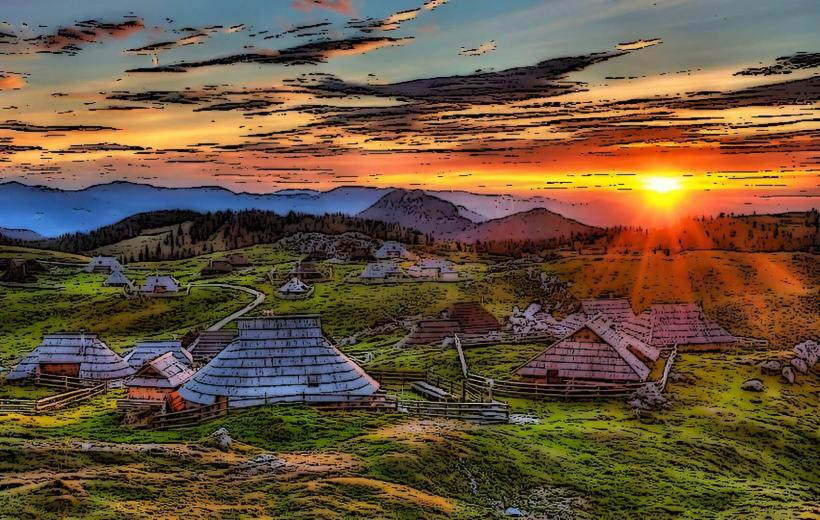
pixel 52 212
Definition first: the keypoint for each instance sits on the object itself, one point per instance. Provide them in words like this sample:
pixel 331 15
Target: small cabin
pixel 103 264
pixel 217 268
pixel 20 270
pixel 392 250
pixel 434 269
pixel 157 378
pixel 79 355
pixel 684 325
pixel 238 260
pixel 160 285
pixel 294 289
pixel 118 279
pixel 472 318
pixel 594 352
pixel 616 310
pixel 147 350
pixel 384 270
pixel 306 271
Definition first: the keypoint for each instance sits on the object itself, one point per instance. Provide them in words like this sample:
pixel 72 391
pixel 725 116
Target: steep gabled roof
pixel 278 359
pixel 117 278
pixel 616 310
pixel 165 371
pixel 473 318
pixel 381 270
pixel 145 351
pixel 96 360
pixel 613 358
pixel 103 262
pixel 294 286
pixel 160 280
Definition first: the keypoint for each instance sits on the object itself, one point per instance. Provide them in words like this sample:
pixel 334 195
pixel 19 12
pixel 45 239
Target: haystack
pixel 275 360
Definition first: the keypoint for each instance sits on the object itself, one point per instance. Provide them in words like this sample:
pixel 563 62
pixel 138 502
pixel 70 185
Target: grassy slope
pixel 717 451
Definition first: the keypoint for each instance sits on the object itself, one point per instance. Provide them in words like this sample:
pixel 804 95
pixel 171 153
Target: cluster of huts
pixel 266 360
pixel 160 285
pixel 605 341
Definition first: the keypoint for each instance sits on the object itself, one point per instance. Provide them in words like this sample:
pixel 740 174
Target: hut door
pixel 552 375
pixel 60 369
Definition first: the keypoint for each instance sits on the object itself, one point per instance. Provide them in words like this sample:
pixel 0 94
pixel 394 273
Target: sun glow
pixel 662 185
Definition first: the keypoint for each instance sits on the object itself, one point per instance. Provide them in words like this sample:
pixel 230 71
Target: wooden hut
pixel 209 343
pixel 616 310
pixel 681 324
pixel 216 268
pixel 381 271
pixel 594 352
pixel 392 250
pixel 472 318
pixel 294 289
pixel 145 351
pixel 118 279
pixel 432 331
pixel 160 285
pixel 433 269
pixel 238 260
pixel 20 270
pixel 278 359
pixel 103 264
pixel 158 377
pixel 78 355
pixel 306 271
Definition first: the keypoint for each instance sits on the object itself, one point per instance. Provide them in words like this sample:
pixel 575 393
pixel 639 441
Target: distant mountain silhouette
pixel 444 220
pixel 419 210
pixel 535 224
pixel 20 234
pixel 52 212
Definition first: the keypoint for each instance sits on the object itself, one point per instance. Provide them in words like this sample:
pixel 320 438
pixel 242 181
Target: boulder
pixel 788 374
pixel 809 351
pixel 770 367
pixel 646 399
pixel 752 385
pixel 222 438
pixel 514 512
pixel 800 365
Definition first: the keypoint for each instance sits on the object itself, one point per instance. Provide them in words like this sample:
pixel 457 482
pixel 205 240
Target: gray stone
pixel 514 512
pixel 809 351
pixel 222 438
pixel 770 367
pixel 788 375
pixel 800 365
pixel 752 385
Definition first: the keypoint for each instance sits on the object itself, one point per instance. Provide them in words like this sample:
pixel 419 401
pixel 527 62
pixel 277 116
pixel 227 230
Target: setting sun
pixel 662 184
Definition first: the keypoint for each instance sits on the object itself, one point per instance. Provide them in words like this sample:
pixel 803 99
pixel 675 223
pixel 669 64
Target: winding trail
pixel 260 297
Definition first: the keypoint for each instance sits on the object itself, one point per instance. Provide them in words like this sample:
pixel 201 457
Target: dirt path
pixel 260 297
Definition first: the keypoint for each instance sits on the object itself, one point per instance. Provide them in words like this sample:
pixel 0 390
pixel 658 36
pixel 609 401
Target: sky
pixel 668 107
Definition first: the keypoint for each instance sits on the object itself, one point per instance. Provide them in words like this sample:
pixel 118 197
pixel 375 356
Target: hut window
pixel 313 380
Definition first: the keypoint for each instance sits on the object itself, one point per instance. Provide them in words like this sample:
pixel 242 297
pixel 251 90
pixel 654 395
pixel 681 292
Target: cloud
pixel 70 40
pixel 308 54
pixel 638 44
pixel 433 4
pixel 18 126
pixel 785 65
pixel 391 23
pixel 339 6
pixel 484 48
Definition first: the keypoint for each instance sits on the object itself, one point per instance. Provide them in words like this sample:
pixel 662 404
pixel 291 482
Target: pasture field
pixel 717 451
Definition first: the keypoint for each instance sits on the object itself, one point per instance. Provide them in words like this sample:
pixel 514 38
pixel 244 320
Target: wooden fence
pixel 51 403
pixel 507 338
pixel 64 382
pixel 489 388
pixel 493 412
pixel 190 417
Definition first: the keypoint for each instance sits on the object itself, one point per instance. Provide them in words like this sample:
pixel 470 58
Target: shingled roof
pixel 165 371
pixel 616 310
pixel 669 324
pixel 604 355
pixel 472 318
pixel 97 361
pixel 145 351
pixel 278 359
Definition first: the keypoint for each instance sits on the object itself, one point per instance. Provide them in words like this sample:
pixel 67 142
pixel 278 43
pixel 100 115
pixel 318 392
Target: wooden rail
pixel 569 390
pixel 493 412
pixel 65 382
pixel 51 403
